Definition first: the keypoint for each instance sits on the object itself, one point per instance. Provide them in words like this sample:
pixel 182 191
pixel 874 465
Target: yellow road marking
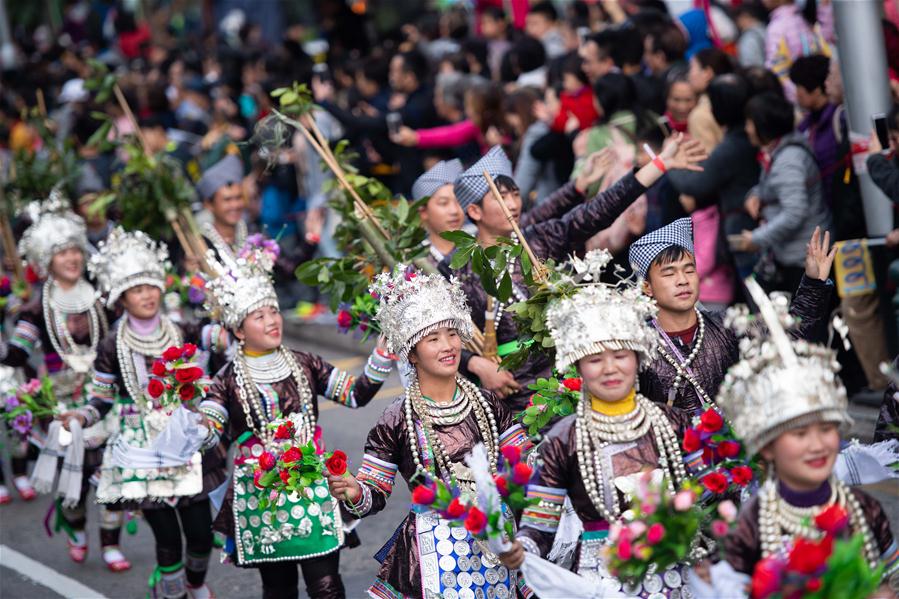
pixel 348 363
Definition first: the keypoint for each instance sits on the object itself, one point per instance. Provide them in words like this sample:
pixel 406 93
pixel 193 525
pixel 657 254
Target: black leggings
pixel 320 574
pixel 196 522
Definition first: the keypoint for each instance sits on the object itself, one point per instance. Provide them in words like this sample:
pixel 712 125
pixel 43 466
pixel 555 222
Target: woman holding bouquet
pixel 596 456
pixel 786 402
pixel 66 321
pixel 130 269
pixel 425 436
pixel 264 382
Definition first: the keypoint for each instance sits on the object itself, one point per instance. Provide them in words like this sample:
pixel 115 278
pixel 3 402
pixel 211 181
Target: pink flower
pixel 273 495
pixel 624 549
pixel 512 453
pixel 521 473
pixel 727 510
pixel 719 528
pixel 637 528
pixel 683 501
pixel 655 533
pixel 642 552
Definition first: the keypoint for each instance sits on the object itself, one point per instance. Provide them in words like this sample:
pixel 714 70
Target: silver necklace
pixel 223 247
pixel 447 414
pixel 269 368
pixel 682 369
pixel 79 358
pixel 129 343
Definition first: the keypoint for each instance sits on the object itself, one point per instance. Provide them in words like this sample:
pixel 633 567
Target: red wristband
pixel 659 164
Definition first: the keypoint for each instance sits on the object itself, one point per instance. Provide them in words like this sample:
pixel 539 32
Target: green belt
pixel 592 535
pixel 507 348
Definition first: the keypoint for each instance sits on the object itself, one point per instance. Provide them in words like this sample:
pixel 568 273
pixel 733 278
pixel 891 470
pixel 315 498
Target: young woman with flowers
pixel 66 322
pixel 597 456
pixel 247 402
pixel 425 436
pixel 787 404
pixel 130 269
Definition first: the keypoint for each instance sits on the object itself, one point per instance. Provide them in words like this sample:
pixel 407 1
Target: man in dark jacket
pixel 554 239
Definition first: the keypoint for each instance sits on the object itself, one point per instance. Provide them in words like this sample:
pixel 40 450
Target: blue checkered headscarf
pixel 443 173
pixel 644 250
pixel 471 187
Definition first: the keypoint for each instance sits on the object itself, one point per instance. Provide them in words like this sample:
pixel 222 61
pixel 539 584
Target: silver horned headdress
pixel 55 227
pixel 126 260
pixel 413 305
pixel 779 383
pixel 600 316
pixel 241 286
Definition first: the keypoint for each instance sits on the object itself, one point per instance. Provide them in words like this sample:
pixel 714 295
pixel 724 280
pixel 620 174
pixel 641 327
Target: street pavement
pixel 23 541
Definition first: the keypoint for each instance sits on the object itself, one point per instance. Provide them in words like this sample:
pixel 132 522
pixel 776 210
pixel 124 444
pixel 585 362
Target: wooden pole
pixel 539 270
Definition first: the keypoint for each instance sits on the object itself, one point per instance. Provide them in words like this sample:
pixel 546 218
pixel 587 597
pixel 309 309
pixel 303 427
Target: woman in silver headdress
pixel 266 381
pixel 130 269
pixel 595 456
pixel 425 435
pixel 65 319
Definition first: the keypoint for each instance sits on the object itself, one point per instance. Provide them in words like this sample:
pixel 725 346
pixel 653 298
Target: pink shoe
pixel 114 559
pixel 78 553
pixel 5 497
pixel 23 486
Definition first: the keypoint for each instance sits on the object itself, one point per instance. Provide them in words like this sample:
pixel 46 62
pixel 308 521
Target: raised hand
pixel 596 166
pixel 687 155
pixel 819 256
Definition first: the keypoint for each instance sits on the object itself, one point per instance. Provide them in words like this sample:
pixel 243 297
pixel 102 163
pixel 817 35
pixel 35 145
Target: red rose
pixel 282 432
pixel 741 475
pixel 423 495
pixel 159 368
pixel 572 384
pixel 512 453
pixel 285 476
pixel 813 585
pixel 188 375
pixel 171 354
pixel 715 482
pixel 728 449
pixel 455 509
pixel 267 461
pixel 30 275
pixel 187 392
pixel 336 464
pixel 256 476
pixel 344 319
pixel 692 441
pixel 521 473
pixel 809 557
pixel 476 521
pixel 766 577
pixel 188 350
pixel 155 388
pixel 708 454
pixel 501 485
pixel 294 454
pixel 710 421
pixel 832 520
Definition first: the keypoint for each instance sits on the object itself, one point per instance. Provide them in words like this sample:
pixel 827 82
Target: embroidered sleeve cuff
pixel 546 514
pixel 378 367
pixel 529 545
pixel 340 388
pixel 377 473
pixel 91 415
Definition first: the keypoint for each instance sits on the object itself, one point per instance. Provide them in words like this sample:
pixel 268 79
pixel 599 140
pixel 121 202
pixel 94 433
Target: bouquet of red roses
pixel 176 377
pixel 660 531
pixel 553 397
pixel 725 465
pixel 829 568
pixel 291 467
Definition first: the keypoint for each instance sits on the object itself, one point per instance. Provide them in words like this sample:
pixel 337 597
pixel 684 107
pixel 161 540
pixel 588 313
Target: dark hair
pixel 528 54
pixel 629 48
pixel 670 254
pixel 571 65
pixel 605 40
pixel 375 68
pixel 810 71
pixel 521 103
pixel 670 41
pixel 728 95
pixel 715 59
pixel 487 102
pixel 810 12
pixel 614 92
pixel 772 116
pixel 544 8
pixel 761 80
pixel 415 62
pixel 494 12
pixel 893 118
pixel 476 47
pixel 753 9
pixel 505 183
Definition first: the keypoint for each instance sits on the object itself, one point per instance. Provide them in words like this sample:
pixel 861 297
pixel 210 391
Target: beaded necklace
pixel 682 367
pixel 224 248
pixel 251 402
pixel 779 519
pixel 415 406
pixel 129 343
pixel 79 358
pixel 595 432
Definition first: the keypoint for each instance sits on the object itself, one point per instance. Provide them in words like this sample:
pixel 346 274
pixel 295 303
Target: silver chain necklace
pixel 223 247
pixel 268 368
pixel 129 343
pixel 79 358
pixel 682 368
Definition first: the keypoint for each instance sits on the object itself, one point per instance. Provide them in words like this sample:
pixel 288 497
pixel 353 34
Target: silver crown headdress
pixel 779 383
pixel 413 305
pixel 241 286
pixel 600 316
pixel 55 227
pixel 126 260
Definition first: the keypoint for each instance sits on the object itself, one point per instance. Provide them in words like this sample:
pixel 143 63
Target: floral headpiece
pixel 126 260
pixel 241 286
pixel 54 228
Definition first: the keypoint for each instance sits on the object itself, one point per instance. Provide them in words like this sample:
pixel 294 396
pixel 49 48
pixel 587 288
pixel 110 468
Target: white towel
pixel 174 446
pixel 44 473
